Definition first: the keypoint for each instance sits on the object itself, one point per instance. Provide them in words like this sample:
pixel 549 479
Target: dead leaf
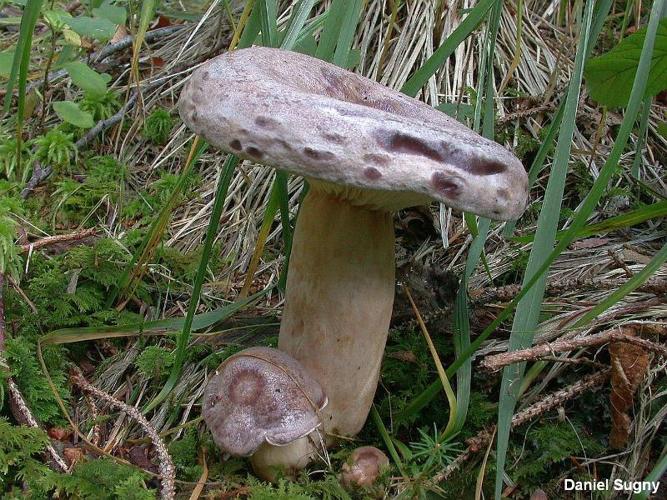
pixel 407 356
pixel 629 364
pixel 59 433
pixel 589 243
pixel 73 455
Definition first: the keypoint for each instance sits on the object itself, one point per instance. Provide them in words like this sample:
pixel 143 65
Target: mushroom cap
pixel 261 394
pixel 362 140
pixel 363 467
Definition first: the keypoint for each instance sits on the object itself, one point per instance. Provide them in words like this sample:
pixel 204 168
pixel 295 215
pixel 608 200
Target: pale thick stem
pixel 340 293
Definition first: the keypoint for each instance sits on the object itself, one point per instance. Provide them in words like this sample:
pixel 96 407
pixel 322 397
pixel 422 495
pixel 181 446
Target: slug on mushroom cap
pixel 366 151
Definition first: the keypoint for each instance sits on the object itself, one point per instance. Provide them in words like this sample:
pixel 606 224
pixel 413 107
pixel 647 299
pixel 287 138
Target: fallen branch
pixel 553 400
pixel 623 333
pixel 58 239
pixel 17 403
pixel 166 466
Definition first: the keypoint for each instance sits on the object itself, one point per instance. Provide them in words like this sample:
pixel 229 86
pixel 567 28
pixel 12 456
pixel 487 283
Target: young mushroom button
pixel 366 151
pixel 261 395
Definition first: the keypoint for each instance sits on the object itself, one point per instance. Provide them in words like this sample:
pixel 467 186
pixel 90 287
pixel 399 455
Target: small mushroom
pixel 366 151
pixel 261 395
pixel 363 467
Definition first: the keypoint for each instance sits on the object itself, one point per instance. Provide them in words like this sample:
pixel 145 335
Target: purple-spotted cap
pixel 348 134
pixel 261 395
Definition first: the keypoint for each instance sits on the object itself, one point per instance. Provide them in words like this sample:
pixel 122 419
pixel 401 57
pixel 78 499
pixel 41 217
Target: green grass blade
pixel 461 326
pixel 429 68
pixel 629 219
pixel 183 339
pixel 268 14
pixel 384 434
pixel 538 162
pixel 641 135
pixel 19 71
pixel 528 309
pixel 347 31
pixel 251 29
pixel 295 29
pixel 332 27
pixel 636 281
pixel 157 327
pixel 655 475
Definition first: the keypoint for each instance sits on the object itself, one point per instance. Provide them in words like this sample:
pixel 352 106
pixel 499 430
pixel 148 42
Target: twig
pixel 108 50
pixel 497 361
pixel 549 402
pixel 506 293
pixel 24 416
pixel 166 466
pixel 59 238
pixel 17 404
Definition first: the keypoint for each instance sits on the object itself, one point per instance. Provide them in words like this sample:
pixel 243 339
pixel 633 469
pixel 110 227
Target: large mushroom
pixel 366 151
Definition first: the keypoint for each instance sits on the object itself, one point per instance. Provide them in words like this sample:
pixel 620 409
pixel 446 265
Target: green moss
pixel 157 126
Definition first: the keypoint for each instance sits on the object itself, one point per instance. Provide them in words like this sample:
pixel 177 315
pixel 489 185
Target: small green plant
pixel 8 157
pixel 10 263
pixel 433 451
pixel 184 453
pixel 154 361
pixel 100 106
pixel 20 462
pixel 158 126
pixel 56 148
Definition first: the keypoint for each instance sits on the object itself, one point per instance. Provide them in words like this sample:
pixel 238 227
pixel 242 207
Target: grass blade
pixel 641 135
pixel 480 230
pixel 451 397
pixel 442 53
pixel 183 339
pixel 655 475
pixel 346 34
pixel 628 219
pixel 384 434
pixel 268 14
pixel 332 27
pixel 636 281
pixel 528 309
pixel 296 24
pixel 158 327
pixel 19 71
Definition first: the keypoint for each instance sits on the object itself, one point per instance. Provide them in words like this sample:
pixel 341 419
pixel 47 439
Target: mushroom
pixel 363 467
pixel 366 151
pixel 261 395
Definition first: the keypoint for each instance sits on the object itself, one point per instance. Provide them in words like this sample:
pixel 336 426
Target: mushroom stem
pixel 338 304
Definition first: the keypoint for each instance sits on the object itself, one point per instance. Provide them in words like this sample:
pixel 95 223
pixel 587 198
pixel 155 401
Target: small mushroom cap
pixel 261 394
pixel 362 140
pixel 363 467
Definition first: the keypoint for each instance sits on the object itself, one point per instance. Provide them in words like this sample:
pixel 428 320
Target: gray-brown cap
pixel 261 394
pixel 357 136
